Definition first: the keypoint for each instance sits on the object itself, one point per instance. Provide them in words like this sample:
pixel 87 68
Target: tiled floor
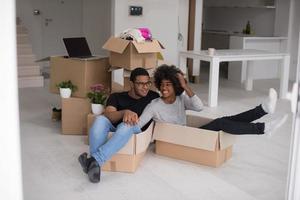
pixel 257 170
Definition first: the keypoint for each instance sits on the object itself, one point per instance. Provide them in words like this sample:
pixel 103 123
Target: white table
pixel 228 55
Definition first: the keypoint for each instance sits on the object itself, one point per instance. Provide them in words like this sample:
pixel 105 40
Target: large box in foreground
pixel 128 158
pixel 74 112
pixel 211 148
pixel 82 72
pixel 131 54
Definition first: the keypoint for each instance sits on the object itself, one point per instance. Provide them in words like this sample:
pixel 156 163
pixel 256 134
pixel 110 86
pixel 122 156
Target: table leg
pixel 196 70
pixel 284 76
pixel 213 82
pixel 249 76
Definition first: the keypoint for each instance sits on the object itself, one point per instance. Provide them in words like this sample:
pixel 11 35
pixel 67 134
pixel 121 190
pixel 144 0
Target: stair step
pixel 21 29
pixel 30 81
pixel 24 51
pixel 26 59
pixel 29 71
pixel 23 38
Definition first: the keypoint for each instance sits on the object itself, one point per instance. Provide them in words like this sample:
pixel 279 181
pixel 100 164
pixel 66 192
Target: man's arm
pixel 126 115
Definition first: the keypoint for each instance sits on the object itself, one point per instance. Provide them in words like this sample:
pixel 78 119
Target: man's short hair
pixel 166 72
pixel 138 72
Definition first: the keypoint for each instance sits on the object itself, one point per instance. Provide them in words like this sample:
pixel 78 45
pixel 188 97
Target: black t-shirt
pixel 122 101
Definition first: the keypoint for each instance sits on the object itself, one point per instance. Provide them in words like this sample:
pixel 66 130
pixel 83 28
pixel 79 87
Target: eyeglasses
pixel 143 84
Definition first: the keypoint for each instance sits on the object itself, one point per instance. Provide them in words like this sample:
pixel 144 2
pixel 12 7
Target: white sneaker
pixel 269 105
pixel 272 126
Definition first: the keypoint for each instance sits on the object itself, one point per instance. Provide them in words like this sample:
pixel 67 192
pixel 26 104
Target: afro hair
pixel 166 72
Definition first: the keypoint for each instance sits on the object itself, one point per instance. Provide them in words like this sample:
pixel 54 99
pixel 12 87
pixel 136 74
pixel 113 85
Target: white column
pixel 10 165
pixel 249 75
pixel 116 75
pixel 197 35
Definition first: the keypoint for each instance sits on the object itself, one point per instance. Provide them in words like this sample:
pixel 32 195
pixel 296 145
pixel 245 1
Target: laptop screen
pixel 77 47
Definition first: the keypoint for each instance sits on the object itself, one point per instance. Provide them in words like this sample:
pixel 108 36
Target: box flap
pixel 187 136
pixel 147 47
pixel 159 56
pixel 226 140
pixel 116 44
pixel 161 46
pixel 197 121
pixel 143 139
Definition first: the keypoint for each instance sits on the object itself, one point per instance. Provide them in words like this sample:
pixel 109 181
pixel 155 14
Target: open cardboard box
pixel 82 72
pixel 131 54
pixel 211 148
pixel 129 157
pixel 74 112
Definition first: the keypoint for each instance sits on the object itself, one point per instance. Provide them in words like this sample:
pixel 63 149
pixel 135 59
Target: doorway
pixel 60 18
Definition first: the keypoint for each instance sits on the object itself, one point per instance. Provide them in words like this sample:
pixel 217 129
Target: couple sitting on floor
pixel 131 112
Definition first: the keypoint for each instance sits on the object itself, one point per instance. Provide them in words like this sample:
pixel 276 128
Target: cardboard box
pixel 82 73
pixel 129 157
pixel 74 113
pixel 130 54
pixel 211 148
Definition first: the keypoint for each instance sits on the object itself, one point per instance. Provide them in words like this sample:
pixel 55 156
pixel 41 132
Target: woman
pixel 177 96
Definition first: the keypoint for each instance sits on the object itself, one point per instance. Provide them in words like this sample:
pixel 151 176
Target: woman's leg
pixel 235 127
pixel 249 115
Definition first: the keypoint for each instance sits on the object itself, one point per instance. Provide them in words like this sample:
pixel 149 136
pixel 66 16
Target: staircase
pixel 29 72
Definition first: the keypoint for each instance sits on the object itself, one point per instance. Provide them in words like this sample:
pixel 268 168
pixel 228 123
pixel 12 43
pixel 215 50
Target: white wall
pixel 161 17
pixel 97 23
pixel 235 19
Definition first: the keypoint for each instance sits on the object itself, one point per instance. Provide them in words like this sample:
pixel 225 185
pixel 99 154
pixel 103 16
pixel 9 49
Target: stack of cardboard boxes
pixel 83 73
pixel 128 54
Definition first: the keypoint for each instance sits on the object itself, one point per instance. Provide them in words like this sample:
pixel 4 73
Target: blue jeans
pixel 102 148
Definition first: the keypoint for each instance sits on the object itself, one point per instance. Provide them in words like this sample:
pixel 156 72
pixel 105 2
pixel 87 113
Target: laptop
pixel 77 47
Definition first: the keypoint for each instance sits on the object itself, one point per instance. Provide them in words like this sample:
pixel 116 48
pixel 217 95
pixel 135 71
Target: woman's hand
pixel 184 85
pixel 182 81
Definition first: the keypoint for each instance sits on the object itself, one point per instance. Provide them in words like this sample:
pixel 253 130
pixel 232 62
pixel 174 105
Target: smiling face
pixel 167 89
pixel 141 85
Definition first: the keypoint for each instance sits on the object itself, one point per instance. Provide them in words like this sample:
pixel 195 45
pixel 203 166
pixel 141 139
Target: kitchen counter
pixel 262 69
pixel 246 36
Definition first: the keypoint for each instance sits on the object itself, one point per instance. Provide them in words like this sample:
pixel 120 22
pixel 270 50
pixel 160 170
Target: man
pixel 120 107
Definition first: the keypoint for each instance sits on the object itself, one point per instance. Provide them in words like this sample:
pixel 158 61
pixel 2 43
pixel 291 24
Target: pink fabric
pixel 146 33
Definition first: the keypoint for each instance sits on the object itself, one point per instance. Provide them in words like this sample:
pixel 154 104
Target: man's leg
pixel 99 132
pixel 115 143
pixel 97 137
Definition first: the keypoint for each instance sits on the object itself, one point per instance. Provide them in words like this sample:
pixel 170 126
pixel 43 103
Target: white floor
pixel 257 170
